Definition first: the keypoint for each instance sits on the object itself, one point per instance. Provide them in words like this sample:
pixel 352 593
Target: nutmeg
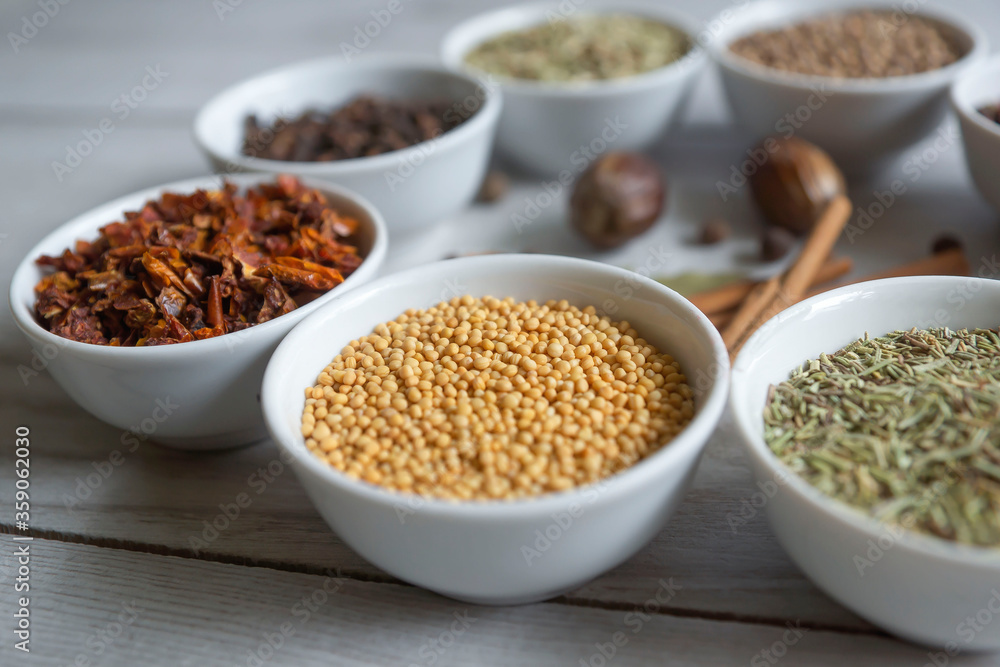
pixel 617 198
pixel 795 183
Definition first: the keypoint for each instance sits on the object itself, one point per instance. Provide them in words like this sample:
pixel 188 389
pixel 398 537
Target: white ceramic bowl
pixel 475 551
pixel 914 586
pixel 552 128
pixel 978 86
pixel 860 122
pixel 203 394
pixel 413 187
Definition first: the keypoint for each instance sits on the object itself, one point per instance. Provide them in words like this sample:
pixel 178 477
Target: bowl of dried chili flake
pixel 400 129
pixel 157 312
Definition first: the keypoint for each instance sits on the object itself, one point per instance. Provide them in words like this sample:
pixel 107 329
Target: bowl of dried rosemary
pixel 871 414
pixel 577 80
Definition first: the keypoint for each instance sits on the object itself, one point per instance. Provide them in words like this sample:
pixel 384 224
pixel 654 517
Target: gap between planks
pixel 367 577
pixel 36 115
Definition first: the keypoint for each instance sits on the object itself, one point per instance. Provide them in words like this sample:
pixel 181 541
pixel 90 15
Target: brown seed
pixel 946 242
pixel 494 186
pixel 714 230
pixel 775 243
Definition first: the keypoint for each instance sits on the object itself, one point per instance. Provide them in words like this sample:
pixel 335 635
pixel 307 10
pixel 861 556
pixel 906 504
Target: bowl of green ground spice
pixel 579 80
pixel 871 416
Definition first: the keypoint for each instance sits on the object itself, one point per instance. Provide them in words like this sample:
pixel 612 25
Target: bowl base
pixel 510 600
pixel 214 442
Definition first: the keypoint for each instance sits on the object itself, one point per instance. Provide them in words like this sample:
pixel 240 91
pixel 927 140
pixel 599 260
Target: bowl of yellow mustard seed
pixel 579 79
pixel 498 429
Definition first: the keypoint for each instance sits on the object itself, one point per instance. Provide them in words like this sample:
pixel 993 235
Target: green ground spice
pixel 586 48
pixel 905 427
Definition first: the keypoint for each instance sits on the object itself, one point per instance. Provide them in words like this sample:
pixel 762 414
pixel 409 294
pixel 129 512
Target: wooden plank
pixel 160 499
pixel 148 609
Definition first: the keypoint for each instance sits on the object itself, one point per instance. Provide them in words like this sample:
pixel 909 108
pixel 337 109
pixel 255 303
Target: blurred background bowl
pixel 549 127
pixel 474 551
pixel 920 588
pixel 860 122
pixel 203 394
pixel 414 187
pixel 977 87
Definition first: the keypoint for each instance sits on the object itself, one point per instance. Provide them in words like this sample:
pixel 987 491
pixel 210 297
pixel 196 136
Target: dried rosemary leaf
pixel 905 427
pixel 584 48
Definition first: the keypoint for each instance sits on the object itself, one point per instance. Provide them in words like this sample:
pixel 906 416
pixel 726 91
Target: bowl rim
pixel 25 320
pixel 962 106
pixel 485 116
pixel 718 48
pixel 534 14
pixel 819 502
pixel 615 486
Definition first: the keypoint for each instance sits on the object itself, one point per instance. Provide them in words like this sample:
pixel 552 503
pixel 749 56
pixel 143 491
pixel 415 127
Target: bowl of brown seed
pixel 499 449
pixel 402 131
pixel 871 415
pixel 861 80
pixel 579 81
pixel 975 97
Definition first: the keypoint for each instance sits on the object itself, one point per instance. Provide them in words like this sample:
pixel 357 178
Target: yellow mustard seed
pixel 483 398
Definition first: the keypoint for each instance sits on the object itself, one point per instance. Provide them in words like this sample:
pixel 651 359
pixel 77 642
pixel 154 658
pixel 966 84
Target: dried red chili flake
pixel 188 267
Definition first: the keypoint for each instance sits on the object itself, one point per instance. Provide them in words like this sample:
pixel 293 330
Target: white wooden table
pixel 115 576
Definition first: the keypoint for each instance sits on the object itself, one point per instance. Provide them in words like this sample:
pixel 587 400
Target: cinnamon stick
pixel 729 296
pixel 782 291
pixel 951 262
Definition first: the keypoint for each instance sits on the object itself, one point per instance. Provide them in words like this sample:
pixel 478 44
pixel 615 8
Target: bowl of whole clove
pixel 400 130
pixel 871 415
